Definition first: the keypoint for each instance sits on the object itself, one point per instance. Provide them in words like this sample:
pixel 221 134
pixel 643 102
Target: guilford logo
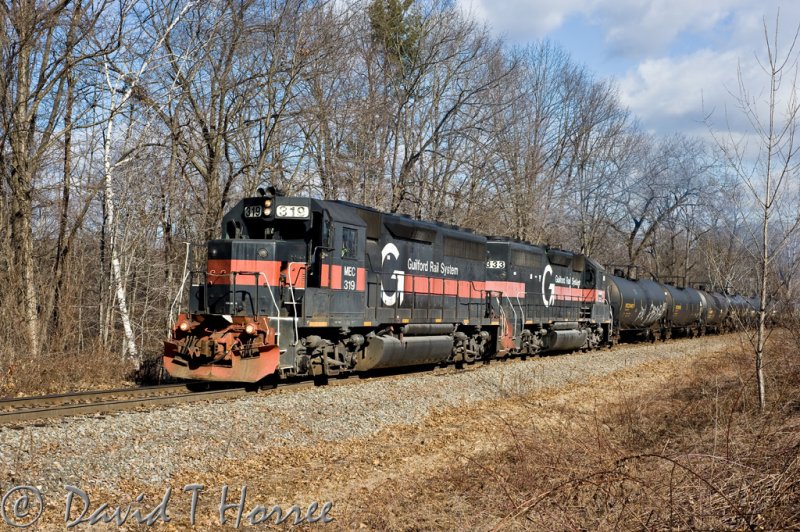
pixel 390 259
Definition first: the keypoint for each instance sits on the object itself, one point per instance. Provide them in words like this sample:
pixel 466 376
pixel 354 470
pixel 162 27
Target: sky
pixel 674 62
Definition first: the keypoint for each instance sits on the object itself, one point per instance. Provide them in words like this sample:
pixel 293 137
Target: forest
pixel 128 127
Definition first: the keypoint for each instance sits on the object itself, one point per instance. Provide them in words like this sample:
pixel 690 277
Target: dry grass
pixel 72 356
pixel 54 372
pixel 691 453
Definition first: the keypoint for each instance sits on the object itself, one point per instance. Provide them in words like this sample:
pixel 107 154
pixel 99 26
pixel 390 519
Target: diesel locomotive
pixel 304 287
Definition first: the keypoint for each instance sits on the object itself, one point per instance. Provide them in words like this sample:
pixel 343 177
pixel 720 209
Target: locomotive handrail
pixel 502 312
pixel 294 301
pixel 233 275
pixel 303 268
pixel 514 326
pixel 522 310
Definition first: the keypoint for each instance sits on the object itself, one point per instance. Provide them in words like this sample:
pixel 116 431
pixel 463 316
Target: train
pixel 302 287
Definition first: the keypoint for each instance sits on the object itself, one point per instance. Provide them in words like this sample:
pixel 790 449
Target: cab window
pixel 349 243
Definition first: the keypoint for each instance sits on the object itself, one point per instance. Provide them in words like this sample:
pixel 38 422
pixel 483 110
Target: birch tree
pixel 122 75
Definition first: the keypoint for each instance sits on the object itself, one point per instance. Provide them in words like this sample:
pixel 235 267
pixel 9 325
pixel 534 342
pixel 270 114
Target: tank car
pixel 741 311
pixel 639 307
pixel 716 311
pixel 685 310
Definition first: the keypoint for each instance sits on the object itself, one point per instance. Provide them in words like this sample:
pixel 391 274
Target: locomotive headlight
pixel 267 203
pixel 267 212
pixel 184 326
pixel 250 329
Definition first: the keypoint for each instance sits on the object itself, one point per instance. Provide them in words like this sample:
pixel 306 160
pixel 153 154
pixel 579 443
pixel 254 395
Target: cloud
pixel 677 60
pixel 666 90
pixel 635 28
pixel 639 29
pixel 524 20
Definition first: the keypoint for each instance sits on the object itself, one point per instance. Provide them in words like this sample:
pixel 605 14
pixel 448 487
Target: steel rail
pixel 18 409
pixel 87 395
pixel 106 403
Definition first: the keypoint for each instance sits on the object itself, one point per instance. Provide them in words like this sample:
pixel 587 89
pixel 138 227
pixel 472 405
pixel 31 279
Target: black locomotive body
pixel 552 300
pixel 299 286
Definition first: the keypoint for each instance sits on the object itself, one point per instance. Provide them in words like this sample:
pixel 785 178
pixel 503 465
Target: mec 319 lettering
pixel 349 282
pixel 252 211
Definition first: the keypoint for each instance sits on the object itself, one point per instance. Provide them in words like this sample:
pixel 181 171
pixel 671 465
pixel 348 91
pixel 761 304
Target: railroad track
pixel 42 407
pixel 105 401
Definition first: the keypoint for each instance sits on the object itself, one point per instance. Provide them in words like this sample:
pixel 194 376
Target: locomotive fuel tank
pixel 565 340
pixel 392 352
pixel 637 304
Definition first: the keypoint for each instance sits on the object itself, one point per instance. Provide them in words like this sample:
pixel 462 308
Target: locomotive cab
pixel 243 306
pixel 282 265
pixel 259 266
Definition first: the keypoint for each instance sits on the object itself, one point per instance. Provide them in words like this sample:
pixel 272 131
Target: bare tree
pixel 669 175
pixel 233 72
pixel 38 55
pixel 600 148
pixel 724 240
pixel 332 105
pixel 434 67
pixel 532 139
pixel 768 169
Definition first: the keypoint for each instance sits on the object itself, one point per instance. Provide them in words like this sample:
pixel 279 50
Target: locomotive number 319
pixel 252 211
pixel 292 211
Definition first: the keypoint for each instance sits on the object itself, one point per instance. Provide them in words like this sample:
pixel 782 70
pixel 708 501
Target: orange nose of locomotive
pixel 235 350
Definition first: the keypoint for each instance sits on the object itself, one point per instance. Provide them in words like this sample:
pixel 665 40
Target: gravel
pixel 152 446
